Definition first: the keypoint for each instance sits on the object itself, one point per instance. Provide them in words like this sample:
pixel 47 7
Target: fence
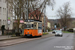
pixel 9 32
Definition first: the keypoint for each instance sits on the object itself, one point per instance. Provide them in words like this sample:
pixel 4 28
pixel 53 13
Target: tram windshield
pixel 32 25
pixel 28 26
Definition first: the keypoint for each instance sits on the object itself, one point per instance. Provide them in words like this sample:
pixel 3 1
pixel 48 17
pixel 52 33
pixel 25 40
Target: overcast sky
pixel 52 14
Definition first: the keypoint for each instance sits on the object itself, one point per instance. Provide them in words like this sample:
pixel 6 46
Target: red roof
pixel 35 13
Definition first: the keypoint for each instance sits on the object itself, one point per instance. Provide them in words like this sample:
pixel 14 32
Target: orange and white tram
pixel 32 28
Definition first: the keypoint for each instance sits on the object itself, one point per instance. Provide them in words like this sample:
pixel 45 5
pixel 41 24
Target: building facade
pixel 48 24
pixel 3 15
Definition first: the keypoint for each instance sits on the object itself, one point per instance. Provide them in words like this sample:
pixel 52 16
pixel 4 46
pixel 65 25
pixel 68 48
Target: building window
pixel 0 24
pixel 0 9
pixel 3 10
pixel 3 22
pixel 0 0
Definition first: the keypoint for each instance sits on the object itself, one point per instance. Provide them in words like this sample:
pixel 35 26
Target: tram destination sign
pixel 31 20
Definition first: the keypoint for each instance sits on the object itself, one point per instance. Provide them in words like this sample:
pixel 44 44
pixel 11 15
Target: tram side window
pixel 35 26
pixel 39 26
pixel 32 25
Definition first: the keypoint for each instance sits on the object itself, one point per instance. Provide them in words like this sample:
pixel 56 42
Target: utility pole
pixel 44 19
pixel 7 19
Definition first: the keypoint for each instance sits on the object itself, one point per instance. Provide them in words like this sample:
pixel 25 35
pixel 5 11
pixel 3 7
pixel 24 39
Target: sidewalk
pixel 3 38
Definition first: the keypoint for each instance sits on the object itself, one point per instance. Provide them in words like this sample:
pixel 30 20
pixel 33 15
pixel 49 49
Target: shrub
pixel 17 34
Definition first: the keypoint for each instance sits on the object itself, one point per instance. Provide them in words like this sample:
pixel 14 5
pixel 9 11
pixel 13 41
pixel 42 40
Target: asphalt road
pixel 50 43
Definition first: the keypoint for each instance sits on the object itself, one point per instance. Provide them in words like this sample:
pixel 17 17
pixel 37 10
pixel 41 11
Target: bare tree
pixel 65 15
pixel 32 5
pixel 19 7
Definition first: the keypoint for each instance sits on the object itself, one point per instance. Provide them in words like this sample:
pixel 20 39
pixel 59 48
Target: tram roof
pixel 32 20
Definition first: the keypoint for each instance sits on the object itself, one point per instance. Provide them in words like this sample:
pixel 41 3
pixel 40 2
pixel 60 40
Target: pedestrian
pixel 3 28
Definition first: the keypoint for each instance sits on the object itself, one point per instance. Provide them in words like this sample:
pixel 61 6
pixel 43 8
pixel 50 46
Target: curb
pixel 28 40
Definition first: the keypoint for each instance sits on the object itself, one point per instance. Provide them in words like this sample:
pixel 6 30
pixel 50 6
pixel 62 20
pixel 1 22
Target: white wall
pixel 3 15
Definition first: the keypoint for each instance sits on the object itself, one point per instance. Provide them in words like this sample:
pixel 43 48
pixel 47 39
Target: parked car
pixel 59 33
pixel 54 31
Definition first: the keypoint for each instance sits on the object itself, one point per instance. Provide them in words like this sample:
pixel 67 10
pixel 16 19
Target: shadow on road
pixel 31 37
